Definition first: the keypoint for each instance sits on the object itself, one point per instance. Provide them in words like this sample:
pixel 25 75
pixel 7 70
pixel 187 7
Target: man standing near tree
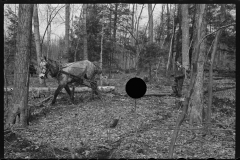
pixel 179 76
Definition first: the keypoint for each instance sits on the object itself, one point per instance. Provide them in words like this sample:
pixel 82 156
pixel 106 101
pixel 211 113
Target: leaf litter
pixel 82 130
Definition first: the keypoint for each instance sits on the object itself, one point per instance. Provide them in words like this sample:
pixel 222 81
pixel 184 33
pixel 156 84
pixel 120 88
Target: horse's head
pixel 48 66
pixel 97 67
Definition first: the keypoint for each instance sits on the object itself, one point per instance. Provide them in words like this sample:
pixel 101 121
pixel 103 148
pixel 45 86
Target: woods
pixel 154 42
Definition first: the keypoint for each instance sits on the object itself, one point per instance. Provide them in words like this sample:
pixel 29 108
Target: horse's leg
pixel 95 89
pixel 69 93
pixel 73 90
pixel 56 93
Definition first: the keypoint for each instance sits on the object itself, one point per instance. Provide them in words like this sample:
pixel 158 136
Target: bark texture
pixel 67 26
pixel 37 41
pixel 185 36
pixel 22 59
pixel 198 68
pixel 85 53
pixel 150 33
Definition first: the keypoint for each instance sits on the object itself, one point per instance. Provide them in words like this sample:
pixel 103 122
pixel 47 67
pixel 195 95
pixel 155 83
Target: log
pixel 162 94
pixel 77 89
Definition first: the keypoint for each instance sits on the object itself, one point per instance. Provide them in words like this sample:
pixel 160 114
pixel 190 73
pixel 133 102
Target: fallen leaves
pixel 144 133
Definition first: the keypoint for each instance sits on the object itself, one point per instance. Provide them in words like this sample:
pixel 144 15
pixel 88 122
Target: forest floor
pixel 82 130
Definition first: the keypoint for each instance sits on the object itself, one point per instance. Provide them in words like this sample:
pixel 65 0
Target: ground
pixel 83 130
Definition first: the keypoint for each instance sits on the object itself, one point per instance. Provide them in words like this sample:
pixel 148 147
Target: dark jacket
pixel 179 71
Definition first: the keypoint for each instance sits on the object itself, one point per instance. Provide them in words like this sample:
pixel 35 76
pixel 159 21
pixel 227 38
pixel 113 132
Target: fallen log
pixel 77 89
pixel 147 94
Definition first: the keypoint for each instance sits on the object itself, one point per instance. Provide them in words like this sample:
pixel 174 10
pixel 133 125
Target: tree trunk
pixel 198 69
pixel 160 41
pixel 48 41
pixel 172 62
pixel 128 59
pixel 169 57
pixel 37 42
pixel 195 88
pixel 137 44
pixel 192 36
pixel 75 53
pixel 22 60
pixel 132 39
pixel 209 108
pixel 110 37
pixel 101 53
pixel 115 31
pixel 85 53
pixel 162 26
pixel 48 30
pixel 185 36
pixel 171 47
pixel 150 29
pixel 70 28
pixel 67 26
pixel 168 25
pixel 178 34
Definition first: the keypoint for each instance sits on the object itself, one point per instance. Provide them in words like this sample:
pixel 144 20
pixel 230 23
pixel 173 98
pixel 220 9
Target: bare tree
pixel 85 53
pixel 160 39
pixel 21 74
pixel 198 68
pixel 100 61
pixel 133 11
pixel 209 109
pixel 67 26
pixel 185 36
pixel 170 54
pixel 49 29
pixel 115 13
pixel 150 30
pixel 195 94
pixel 37 41
pixel 168 23
pixel 110 37
pixel 79 22
pixel 50 20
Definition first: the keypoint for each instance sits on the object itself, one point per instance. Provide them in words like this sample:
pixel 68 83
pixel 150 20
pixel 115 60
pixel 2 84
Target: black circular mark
pixel 136 88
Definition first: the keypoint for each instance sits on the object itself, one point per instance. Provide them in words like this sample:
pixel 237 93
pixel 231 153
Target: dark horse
pixel 80 72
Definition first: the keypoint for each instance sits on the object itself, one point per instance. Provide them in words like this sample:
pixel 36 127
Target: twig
pixel 43 100
pixel 53 150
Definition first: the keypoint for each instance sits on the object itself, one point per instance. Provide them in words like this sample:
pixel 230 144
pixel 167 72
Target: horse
pixel 79 72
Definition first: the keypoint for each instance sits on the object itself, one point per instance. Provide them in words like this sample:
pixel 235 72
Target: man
pixel 179 76
pixel 32 70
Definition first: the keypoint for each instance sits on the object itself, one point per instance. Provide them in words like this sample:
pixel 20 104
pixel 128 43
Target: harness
pixel 76 78
pixel 43 68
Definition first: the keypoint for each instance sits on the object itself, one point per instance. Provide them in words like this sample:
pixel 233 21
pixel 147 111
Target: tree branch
pixel 149 19
pixel 129 32
pixel 138 21
pixel 216 31
pixel 49 24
